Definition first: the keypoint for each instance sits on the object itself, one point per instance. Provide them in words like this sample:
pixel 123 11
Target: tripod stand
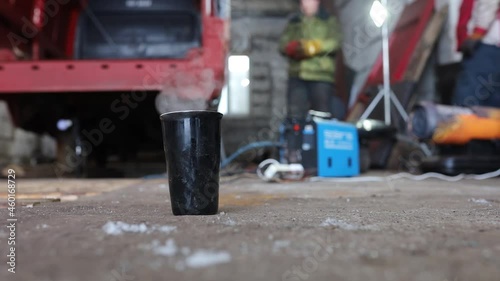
pixel 379 16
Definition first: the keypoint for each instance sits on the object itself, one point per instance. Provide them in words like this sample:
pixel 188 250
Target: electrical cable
pixel 484 176
pixel 426 176
pixel 231 158
pixel 410 177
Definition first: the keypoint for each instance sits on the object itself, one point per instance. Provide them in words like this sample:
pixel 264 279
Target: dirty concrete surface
pixel 394 230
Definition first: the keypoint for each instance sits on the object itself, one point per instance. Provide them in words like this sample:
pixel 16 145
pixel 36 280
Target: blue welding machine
pixel 330 148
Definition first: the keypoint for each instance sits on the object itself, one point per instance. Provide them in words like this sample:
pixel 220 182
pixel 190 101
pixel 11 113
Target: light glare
pixel 64 124
pixel 378 13
pixel 245 82
pixel 239 64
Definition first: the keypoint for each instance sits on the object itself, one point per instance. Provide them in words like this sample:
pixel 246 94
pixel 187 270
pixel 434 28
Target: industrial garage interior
pixel 250 140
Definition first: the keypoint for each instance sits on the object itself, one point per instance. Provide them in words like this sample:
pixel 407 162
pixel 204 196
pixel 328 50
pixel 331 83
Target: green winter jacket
pixel 321 27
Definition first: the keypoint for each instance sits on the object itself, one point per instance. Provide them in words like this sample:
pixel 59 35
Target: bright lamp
pixel 378 13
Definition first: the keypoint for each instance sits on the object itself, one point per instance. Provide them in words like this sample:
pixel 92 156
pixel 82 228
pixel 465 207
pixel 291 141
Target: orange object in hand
pixel 465 128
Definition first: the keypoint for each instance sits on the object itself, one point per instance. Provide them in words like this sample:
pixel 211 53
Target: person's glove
pixel 311 48
pixel 294 50
pixel 470 44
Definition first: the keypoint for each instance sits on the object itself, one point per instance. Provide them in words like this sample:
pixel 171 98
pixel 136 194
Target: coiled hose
pixel 254 145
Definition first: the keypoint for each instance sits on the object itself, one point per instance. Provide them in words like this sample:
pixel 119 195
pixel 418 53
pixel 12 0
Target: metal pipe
pixel 399 107
pixel 386 68
pixel 371 107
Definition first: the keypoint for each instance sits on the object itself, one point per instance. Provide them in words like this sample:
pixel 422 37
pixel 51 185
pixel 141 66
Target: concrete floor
pixel 399 230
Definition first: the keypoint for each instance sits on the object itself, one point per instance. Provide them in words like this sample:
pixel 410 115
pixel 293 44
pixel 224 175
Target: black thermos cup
pixel 192 143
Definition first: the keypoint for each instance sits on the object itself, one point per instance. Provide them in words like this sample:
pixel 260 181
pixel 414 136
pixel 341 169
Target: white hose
pixel 411 177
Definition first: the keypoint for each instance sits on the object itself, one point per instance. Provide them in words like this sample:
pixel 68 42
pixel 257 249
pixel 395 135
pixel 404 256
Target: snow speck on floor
pixel 189 259
pixel 345 225
pixel 280 244
pixel 479 201
pixel 165 228
pixel 204 258
pixel 118 228
pixel 167 250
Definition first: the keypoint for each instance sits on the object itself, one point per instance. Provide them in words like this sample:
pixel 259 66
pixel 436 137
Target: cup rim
pixel 190 113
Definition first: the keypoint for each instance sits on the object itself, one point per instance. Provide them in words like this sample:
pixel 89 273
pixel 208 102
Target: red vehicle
pixel 86 60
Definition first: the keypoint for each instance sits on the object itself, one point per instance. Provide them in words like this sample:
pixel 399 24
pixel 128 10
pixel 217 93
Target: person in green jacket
pixel 310 42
